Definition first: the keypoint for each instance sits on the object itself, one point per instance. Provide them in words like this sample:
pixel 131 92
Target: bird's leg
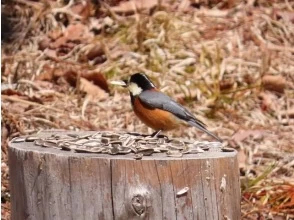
pixel 155 134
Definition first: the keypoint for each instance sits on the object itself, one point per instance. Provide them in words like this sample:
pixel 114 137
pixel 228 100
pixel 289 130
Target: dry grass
pixel 211 60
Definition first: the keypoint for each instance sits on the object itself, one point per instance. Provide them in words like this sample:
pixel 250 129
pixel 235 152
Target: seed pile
pixel 114 143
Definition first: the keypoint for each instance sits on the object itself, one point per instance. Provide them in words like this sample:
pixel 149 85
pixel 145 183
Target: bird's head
pixel 136 84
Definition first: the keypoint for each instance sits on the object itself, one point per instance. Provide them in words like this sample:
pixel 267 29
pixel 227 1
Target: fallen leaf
pixel 184 5
pixel 130 7
pixel 77 32
pixel 249 79
pixel 285 15
pixel 44 84
pixel 55 34
pixel 70 76
pixel 92 90
pixel 95 55
pixel 83 9
pixel 52 54
pixel 97 78
pixel 44 43
pixel 46 74
pixel 226 84
pixel 275 83
pixel 20 104
pixel 288 113
pixel 19 95
pixel 241 135
pixel 74 34
pixel 268 101
pixel 242 158
pixel 10 92
pixel 95 51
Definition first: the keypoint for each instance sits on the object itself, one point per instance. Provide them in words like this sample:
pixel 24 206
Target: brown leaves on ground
pixel 243 134
pixel 274 83
pixel 97 79
pixel 95 54
pixel 24 100
pixel 63 42
pixel 91 82
pixel 226 84
pixel 93 91
pixel 5 210
pixel 130 7
pixel 284 14
pixel 73 34
pixel 84 9
pixel 63 84
pixel 268 101
pixel 273 196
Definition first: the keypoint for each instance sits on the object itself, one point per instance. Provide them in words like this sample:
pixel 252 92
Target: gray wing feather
pixel 159 100
pixel 155 99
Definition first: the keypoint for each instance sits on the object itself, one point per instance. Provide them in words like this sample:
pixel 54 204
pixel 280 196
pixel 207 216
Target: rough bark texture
pixel 54 184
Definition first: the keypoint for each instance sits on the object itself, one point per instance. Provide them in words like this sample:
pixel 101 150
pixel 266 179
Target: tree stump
pixel 50 183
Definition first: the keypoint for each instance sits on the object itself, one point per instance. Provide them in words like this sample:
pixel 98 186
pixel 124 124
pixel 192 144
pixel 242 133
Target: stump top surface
pixel 211 149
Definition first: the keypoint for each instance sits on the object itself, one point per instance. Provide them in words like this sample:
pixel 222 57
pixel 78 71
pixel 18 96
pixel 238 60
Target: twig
pixel 66 10
pixel 43 120
pixel 36 5
pixel 84 106
pixel 270 45
pixel 28 28
pixel 25 81
pixel 115 16
pixel 243 62
pixel 14 99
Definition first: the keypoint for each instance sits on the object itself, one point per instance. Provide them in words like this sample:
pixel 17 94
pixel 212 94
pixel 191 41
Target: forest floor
pixel 230 62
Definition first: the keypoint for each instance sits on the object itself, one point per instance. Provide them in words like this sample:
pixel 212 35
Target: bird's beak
pixel 122 83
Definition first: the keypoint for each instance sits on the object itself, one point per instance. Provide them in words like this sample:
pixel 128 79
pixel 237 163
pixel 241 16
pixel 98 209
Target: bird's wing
pixel 159 100
pixel 155 99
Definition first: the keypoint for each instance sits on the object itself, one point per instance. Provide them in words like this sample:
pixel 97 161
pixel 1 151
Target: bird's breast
pixel 155 118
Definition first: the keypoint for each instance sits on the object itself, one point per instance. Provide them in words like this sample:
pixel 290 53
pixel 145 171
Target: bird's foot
pixel 155 134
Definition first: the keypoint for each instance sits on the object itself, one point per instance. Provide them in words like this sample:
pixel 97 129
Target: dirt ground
pixel 230 62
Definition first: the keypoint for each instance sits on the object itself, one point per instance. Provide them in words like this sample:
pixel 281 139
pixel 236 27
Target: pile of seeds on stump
pixel 114 143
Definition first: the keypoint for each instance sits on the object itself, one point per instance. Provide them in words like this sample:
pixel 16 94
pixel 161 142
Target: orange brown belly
pixel 156 119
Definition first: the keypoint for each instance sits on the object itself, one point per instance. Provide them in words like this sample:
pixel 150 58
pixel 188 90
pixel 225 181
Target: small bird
pixel 157 110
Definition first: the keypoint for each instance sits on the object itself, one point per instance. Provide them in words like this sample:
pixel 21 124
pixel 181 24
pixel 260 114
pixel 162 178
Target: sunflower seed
pixel 171 153
pixel 39 142
pixel 133 149
pixel 118 142
pixel 227 149
pixel 125 150
pixel 92 144
pixel 113 151
pixel 31 138
pixel 81 141
pixel 138 156
pixel 48 144
pixel 183 191
pixel 73 135
pixel 105 140
pixel 146 152
pixel 196 150
pixel 18 139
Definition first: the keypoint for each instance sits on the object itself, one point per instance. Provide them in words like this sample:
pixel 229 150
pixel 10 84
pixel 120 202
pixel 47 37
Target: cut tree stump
pixel 49 183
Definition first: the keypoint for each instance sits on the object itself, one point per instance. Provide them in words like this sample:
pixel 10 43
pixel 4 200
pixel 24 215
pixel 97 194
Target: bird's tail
pixel 200 125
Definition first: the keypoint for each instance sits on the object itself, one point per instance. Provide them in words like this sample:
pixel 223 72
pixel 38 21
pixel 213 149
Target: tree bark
pixel 48 183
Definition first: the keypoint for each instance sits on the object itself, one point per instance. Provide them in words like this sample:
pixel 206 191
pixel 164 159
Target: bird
pixel 156 109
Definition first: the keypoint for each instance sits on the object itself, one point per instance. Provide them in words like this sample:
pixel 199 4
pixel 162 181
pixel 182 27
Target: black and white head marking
pixel 138 83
